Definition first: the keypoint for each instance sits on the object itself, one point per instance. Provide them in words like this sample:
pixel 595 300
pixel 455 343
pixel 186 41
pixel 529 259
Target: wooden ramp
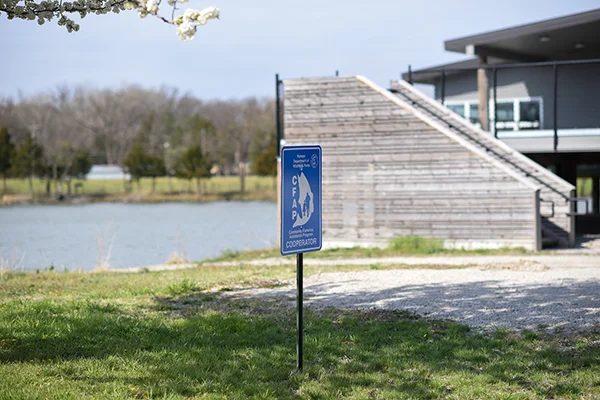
pixel 555 193
pixel 400 164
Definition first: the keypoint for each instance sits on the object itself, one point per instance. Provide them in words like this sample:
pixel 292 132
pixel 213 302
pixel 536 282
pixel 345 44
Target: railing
pixel 556 67
pixel 278 112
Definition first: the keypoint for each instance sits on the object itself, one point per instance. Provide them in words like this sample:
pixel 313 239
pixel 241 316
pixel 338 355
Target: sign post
pixel 301 222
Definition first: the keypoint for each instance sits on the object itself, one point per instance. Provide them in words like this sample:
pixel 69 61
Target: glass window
pixel 457 108
pixel 529 114
pixel 505 112
pixel 530 111
pixel 474 113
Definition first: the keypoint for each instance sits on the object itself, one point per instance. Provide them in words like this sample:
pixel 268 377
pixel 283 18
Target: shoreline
pixel 11 200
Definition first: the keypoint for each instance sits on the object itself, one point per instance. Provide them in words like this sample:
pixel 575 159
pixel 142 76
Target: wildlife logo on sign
pixel 305 201
pixel 300 199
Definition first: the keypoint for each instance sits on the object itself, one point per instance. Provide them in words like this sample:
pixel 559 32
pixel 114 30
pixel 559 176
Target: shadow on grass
pixel 211 344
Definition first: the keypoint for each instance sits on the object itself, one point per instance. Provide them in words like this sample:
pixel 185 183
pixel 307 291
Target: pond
pixel 71 237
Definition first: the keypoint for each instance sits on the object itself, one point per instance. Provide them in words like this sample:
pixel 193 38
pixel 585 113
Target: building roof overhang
pixel 570 37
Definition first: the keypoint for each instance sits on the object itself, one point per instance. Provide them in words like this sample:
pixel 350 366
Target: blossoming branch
pixel 186 24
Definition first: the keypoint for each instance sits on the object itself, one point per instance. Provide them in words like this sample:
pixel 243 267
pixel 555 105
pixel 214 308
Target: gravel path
pixel 549 291
pixel 523 298
pixel 553 260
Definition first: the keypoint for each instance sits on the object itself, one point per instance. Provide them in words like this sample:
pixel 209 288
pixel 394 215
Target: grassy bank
pixel 167 189
pixel 181 335
pixel 164 185
pixel 400 246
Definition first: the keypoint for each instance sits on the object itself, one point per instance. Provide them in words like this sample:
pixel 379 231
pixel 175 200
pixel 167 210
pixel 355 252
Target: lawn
pixel 185 335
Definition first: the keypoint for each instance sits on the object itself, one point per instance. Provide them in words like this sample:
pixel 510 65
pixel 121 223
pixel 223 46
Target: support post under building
pixel 483 88
pixel 596 194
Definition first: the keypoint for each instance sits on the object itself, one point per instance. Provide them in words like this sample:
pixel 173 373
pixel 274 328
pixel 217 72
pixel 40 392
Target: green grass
pixel 584 187
pixel 166 188
pixel 167 336
pixel 399 246
pixel 416 245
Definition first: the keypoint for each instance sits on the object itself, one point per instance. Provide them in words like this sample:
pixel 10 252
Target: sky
pixel 238 55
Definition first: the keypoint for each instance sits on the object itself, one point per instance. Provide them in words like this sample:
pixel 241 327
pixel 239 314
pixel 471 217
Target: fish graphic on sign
pixel 305 201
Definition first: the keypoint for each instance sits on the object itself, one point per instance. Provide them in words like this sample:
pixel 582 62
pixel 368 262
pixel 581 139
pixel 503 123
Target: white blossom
pixel 190 14
pixel 188 23
pixel 152 7
pixel 210 13
pixel 46 10
pixel 186 30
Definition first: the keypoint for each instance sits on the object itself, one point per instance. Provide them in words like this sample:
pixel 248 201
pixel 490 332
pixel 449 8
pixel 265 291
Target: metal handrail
pixel 548 201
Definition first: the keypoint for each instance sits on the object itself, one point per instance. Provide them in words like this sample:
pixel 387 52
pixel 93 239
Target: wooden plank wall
pixel 386 173
pixel 553 190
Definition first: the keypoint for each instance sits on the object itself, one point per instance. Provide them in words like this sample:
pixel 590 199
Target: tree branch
pixel 47 10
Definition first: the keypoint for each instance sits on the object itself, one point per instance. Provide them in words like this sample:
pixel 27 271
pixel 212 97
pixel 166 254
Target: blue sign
pixel 300 199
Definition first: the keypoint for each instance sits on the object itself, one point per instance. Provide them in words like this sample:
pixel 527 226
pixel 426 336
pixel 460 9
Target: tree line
pixel 57 136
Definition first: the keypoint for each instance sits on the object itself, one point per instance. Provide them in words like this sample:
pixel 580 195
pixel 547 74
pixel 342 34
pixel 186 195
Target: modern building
pixel 402 164
pixel 537 88
pixel 492 161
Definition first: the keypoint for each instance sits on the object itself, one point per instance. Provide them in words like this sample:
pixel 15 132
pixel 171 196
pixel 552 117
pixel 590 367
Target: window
pixel 468 110
pixel 505 112
pixel 512 114
pixel 457 108
pixel 518 114
pixel 529 113
pixel 474 113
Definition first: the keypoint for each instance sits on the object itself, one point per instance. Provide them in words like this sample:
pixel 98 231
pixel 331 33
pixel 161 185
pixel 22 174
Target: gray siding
pixel 578 92
pixel 388 173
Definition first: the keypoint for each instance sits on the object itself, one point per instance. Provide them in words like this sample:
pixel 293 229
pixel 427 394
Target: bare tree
pixel 109 122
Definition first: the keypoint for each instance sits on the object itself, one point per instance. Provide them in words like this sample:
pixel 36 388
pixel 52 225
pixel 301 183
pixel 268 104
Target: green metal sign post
pixel 300 310
pixel 300 207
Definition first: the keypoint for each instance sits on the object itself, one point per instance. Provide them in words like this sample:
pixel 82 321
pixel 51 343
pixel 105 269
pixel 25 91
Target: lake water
pixel 130 235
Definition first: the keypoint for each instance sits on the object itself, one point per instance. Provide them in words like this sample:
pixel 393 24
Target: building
pixel 536 87
pixel 107 172
pixel 492 161
pixel 402 164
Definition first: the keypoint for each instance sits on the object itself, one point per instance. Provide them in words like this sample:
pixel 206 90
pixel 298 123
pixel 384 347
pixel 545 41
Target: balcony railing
pixel 505 124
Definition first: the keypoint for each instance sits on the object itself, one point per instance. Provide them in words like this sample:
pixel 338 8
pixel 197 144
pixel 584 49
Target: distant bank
pixel 166 189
